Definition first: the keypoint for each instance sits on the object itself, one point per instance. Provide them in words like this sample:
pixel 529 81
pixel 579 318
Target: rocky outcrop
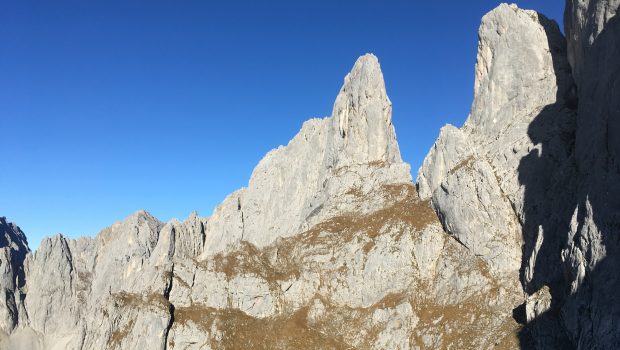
pixel 584 20
pixel 13 251
pixel 329 246
pixel 590 250
pixel 472 174
pixel 380 280
pixel 297 186
pixel 514 218
pixel 593 46
pixel 537 160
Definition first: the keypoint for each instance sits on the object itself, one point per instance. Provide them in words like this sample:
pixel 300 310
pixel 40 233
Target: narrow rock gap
pixel 171 308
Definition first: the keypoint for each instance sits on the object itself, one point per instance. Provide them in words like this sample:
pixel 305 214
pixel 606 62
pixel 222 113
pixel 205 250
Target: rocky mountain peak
pixel 529 183
pixel 519 51
pixel 299 184
pixel 12 236
pixel 362 115
pixel 515 220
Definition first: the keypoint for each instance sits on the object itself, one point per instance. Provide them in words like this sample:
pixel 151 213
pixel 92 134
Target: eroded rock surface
pixel 298 185
pixel 473 174
pixel 514 218
pixel 13 251
pixel 537 159
pixel 329 246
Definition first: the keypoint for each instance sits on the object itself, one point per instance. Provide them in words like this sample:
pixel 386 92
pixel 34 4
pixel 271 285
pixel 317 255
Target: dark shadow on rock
pixel 14 244
pixel 571 217
pixel 12 237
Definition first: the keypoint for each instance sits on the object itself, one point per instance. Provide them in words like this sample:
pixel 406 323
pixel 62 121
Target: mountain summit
pixel 508 240
pixel 300 184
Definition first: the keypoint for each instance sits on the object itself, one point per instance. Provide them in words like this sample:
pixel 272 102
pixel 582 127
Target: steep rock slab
pixel 590 251
pixel 593 39
pixel 561 180
pixel 13 251
pixel 451 149
pixel 473 173
pixel 584 20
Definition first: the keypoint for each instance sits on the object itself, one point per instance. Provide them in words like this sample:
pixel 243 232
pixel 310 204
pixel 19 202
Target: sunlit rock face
pixel 298 185
pixel 514 219
pixel 329 246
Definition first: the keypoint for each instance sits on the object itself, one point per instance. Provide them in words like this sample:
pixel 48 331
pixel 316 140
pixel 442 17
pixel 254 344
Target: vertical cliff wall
pixel 531 180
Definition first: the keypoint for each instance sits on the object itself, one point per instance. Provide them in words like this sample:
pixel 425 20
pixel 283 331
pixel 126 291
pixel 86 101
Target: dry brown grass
pixel 465 325
pixel 248 259
pixel 240 331
pixel 342 324
pixel 390 301
pixel 151 301
pixel 405 210
pixel 285 259
pixel 462 164
pixel 377 163
pixel 119 334
pixel 355 191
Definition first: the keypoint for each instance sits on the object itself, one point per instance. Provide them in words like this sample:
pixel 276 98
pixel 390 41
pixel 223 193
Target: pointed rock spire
pixel 362 116
pixel 295 185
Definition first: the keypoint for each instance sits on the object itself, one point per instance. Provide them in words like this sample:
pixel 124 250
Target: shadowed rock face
pixel 13 251
pixel 584 20
pixel 574 220
pixel 472 174
pixel 547 144
pixel 514 219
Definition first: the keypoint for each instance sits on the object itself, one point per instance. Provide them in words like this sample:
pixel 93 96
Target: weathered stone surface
pixel 13 251
pixel 473 173
pixel 549 152
pixel 329 246
pixel 596 30
pixel 515 218
pixel 451 149
pixel 589 249
pixel 353 280
pixel 584 20
pixel 294 186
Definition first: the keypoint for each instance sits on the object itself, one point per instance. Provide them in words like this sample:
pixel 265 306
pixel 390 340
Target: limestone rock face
pixel 108 291
pixel 590 250
pixel 519 52
pixel 13 251
pixel 530 183
pixel 451 148
pixel 595 30
pixel 584 20
pixel 362 117
pixel 329 246
pixel 384 279
pixel 294 186
pixel 472 173
pixel 514 218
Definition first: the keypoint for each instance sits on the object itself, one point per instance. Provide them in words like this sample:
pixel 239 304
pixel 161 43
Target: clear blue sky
pixel 107 107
